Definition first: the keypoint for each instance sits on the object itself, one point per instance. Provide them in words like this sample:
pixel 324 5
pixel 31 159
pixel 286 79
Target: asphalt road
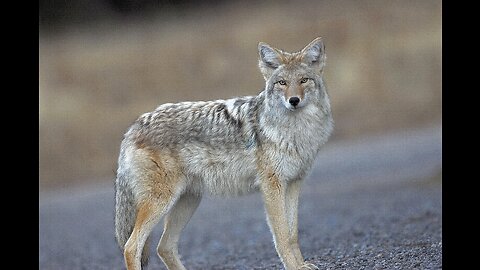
pixel 373 203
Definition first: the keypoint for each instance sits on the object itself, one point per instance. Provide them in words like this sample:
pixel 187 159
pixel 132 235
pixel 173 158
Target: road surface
pixel 372 203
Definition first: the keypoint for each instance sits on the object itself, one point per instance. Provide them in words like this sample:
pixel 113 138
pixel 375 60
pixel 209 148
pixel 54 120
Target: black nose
pixel 294 101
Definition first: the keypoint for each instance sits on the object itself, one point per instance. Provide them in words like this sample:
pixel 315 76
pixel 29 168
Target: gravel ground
pixel 371 204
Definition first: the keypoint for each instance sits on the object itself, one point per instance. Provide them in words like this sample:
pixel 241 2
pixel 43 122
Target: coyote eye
pixel 303 80
pixel 282 82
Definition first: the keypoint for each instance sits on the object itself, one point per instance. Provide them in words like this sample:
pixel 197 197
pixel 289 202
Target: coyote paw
pixel 308 266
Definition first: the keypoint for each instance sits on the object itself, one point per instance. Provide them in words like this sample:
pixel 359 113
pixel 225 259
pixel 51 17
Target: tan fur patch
pixel 129 259
pixel 163 172
pixel 290 58
pixel 295 91
pixel 140 144
pixel 268 175
pixel 273 181
pixel 144 214
pixel 145 210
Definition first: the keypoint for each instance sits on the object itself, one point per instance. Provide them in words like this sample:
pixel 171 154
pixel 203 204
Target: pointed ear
pixel 314 54
pixel 269 59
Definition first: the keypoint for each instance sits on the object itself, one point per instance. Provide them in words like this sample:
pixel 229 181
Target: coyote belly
pixel 172 156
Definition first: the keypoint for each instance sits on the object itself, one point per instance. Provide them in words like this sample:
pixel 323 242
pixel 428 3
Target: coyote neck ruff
pixel 268 142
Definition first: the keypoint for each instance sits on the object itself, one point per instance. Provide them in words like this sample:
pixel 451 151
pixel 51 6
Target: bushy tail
pixel 125 212
pixel 125 215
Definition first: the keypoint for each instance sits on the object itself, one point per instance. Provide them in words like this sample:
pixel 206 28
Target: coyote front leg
pixel 274 196
pixel 293 192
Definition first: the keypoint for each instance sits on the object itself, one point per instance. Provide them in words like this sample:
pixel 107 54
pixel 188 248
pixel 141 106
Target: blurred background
pixel 105 62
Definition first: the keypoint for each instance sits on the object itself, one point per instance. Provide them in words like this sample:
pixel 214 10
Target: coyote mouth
pixel 294 108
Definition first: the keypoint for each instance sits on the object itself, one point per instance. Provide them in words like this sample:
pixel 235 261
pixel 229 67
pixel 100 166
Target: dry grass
pixel 383 71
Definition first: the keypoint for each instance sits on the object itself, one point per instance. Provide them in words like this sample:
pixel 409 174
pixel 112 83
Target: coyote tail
pixel 125 215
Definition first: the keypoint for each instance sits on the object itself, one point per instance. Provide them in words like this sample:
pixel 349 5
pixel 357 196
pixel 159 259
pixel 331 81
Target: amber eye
pixel 282 82
pixel 303 80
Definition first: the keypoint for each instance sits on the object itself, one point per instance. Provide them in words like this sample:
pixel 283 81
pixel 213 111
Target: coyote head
pixel 295 79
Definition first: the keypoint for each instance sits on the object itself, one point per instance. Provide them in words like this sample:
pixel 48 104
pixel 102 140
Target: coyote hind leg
pixel 175 221
pixel 148 215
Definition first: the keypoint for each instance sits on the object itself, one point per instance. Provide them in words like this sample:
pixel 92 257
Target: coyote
pixel 173 155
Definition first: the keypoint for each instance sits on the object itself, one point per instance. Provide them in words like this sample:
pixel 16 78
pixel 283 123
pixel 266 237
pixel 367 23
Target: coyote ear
pixel 314 53
pixel 269 59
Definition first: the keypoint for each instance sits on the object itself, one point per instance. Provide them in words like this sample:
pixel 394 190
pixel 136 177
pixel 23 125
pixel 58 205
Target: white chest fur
pixel 293 140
